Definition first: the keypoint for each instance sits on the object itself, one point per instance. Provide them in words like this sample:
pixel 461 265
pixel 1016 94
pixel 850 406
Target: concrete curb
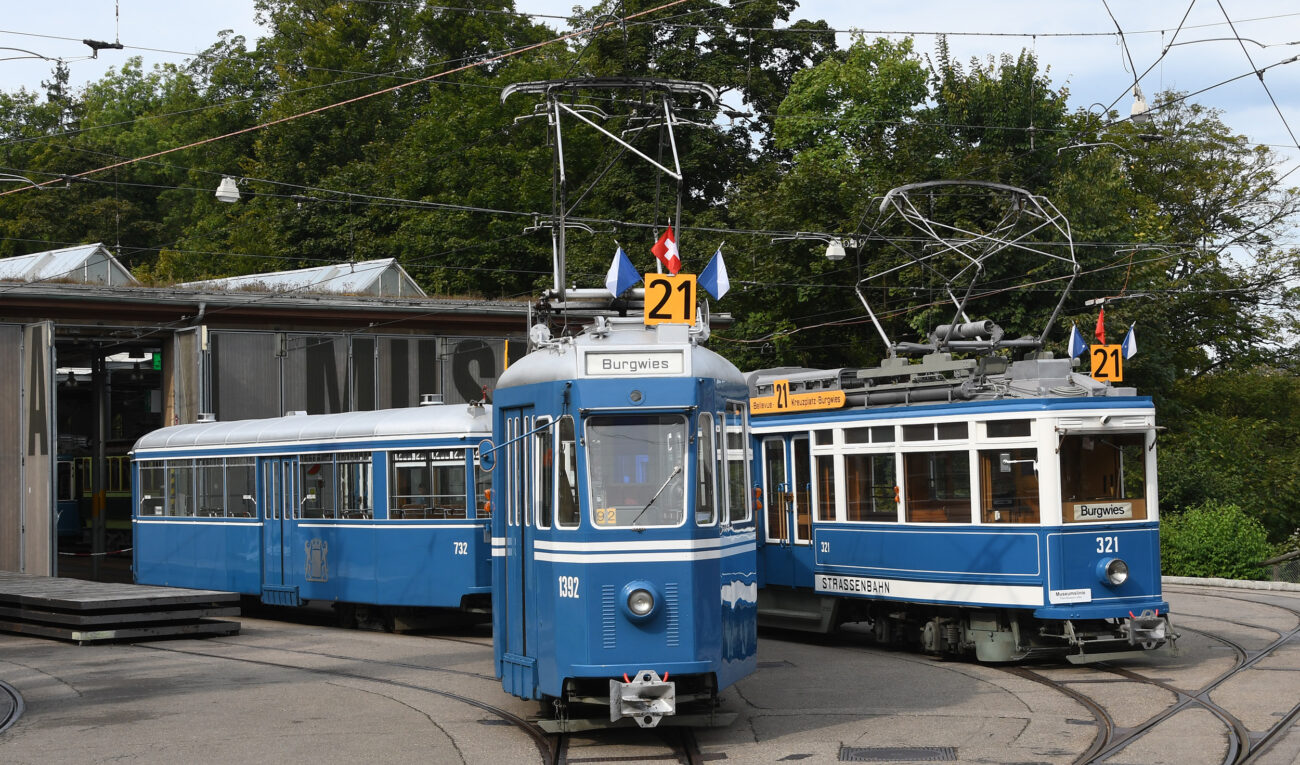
pixel 1240 584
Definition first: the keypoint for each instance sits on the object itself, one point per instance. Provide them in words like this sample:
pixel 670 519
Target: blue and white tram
pixel 622 535
pixel 381 513
pixel 974 506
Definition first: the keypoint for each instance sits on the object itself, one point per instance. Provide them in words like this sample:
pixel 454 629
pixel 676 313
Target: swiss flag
pixel 666 250
pixel 1100 332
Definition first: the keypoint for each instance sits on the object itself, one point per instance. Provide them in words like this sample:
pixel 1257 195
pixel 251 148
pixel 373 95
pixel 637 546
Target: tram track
pixel 11 704
pixel 541 740
pixel 1242 745
pixel 680 741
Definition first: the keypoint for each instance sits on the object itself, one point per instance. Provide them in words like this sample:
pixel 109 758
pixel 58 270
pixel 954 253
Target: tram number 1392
pixel 568 586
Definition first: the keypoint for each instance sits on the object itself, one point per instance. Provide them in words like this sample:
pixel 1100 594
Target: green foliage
pixel 1213 540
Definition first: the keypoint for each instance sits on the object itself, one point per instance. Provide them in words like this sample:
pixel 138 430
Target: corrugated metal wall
pixel 265 374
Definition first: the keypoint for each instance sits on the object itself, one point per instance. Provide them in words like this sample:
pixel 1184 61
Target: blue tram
pixel 381 513
pixel 623 538
pixel 1005 509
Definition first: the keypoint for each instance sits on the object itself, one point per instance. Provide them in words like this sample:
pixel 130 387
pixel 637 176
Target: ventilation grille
pixel 608 612
pixel 897 754
pixel 672 634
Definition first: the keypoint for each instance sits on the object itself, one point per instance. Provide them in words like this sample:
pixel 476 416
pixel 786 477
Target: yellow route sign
pixel 670 299
pixel 782 400
pixel 1107 362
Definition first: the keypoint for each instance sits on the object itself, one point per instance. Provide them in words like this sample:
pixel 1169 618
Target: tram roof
pixel 449 420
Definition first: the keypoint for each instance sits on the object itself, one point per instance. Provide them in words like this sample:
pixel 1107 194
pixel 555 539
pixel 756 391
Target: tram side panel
pixel 1037 545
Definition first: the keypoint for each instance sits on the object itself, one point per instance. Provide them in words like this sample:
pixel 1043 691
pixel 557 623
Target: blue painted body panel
pixel 704 577
pixel 376 561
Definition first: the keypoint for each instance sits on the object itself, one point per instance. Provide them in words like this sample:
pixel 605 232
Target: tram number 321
pixel 568 586
pixel 1107 544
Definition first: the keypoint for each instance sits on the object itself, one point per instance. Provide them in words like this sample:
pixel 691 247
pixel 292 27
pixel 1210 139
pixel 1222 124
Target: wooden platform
pixel 89 612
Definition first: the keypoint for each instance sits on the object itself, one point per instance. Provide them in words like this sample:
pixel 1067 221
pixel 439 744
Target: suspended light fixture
pixel 1140 113
pixel 835 250
pixel 228 190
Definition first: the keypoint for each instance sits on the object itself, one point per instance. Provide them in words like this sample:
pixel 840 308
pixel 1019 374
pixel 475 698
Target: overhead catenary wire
pixel 345 102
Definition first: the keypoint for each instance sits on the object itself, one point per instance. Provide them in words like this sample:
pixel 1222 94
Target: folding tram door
pixel 516 464
pixel 279 501
pixel 787 510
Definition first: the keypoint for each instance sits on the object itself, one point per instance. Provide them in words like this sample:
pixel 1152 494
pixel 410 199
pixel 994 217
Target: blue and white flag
pixel 713 279
pixel 1077 344
pixel 622 274
pixel 1130 345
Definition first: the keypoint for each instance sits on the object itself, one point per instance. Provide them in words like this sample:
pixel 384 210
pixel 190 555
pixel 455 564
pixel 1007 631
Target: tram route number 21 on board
pixel 670 299
pixel 1107 362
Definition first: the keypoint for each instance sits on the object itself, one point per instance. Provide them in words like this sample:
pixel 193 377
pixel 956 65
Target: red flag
pixel 1101 326
pixel 666 251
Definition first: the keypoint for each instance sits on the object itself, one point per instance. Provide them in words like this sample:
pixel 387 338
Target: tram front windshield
pixel 636 468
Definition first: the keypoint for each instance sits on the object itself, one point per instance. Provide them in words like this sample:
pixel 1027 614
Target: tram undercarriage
pixel 645 699
pixel 989 635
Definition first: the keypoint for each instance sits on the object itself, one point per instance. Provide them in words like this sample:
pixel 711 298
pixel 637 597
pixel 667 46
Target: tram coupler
pixel 645 698
pixel 1148 629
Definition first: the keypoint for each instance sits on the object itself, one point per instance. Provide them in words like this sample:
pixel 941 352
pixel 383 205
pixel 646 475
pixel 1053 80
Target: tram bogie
pixel 997 510
pixel 623 540
pixel 382 514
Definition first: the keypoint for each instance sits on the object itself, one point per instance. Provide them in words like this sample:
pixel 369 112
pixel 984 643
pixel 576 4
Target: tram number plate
pixel 670 299
pixel 606 516
pixel 1108 362
pixel 460 548
pixel 569 586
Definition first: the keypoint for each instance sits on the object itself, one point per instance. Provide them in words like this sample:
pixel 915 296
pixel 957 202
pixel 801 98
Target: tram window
pixel 482 483
pixel 567 509
pixel 871 486
pixel 1109 469
pixel 918 432
pixel 355 477
pixel 1008 486
pixel 180 488
pixel 241 480
pixel 317 487
pixel 408 486
pixel 938 487
pixel 1008 428
pixel 705 469
pixel 544 449
pixel 882 434
pixel 635 469
pixel 212 487
pixel 737 457
pixel 823 437
pixel 67 486
pixel 825 487
pixel 951 430
pixel 153 481
pixel 857 435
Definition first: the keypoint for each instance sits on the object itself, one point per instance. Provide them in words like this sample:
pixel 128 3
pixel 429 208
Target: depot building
pixel 94 360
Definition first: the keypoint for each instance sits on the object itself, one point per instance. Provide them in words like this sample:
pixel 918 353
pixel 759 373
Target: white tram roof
pixel 627 339
pixel 437 420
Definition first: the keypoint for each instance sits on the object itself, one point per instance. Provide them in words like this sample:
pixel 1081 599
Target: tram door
pixel 516 467
pixel 787 493
pixel 279 500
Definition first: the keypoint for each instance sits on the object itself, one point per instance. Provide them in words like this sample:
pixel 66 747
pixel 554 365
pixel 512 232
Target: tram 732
pixel 381 513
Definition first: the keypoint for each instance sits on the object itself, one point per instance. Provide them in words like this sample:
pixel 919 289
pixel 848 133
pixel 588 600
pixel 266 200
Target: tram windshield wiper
pixel 667 480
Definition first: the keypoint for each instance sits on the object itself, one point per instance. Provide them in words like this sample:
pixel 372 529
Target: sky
pixel 1075 38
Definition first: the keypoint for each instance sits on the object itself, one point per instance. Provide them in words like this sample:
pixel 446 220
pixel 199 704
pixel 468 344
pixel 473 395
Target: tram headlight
pixel 639 600
pixel 1112 571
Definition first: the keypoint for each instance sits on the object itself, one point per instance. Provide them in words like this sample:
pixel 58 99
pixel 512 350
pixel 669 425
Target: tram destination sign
pixel 634 363
pixel 782 400
pixel 1103 511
